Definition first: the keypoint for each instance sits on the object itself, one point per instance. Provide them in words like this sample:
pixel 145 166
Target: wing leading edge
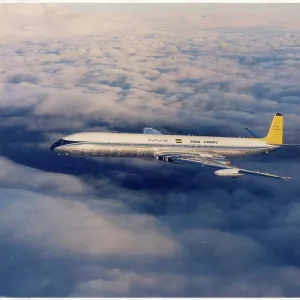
pixel 148 130
pixel 224 169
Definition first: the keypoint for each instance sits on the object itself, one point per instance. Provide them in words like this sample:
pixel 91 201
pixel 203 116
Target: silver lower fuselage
pixel 133 150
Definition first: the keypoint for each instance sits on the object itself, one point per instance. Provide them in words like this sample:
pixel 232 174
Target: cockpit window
pixel 61 142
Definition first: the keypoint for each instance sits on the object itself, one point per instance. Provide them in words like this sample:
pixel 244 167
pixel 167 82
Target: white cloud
pixel 120 283
pixel 62 224
pixel 20 177
pixel 150 75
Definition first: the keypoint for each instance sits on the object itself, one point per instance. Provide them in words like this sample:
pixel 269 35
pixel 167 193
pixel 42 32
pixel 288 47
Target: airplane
pixel 203 151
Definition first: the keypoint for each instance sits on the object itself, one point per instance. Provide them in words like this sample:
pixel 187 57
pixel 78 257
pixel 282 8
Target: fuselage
pixel 105 144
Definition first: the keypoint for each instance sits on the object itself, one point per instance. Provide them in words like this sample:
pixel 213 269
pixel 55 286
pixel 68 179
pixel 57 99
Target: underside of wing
pixel 213 161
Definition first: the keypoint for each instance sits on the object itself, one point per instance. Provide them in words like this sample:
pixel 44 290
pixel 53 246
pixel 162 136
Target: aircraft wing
pixel 148 130
pixel 253 134
pixel 216 162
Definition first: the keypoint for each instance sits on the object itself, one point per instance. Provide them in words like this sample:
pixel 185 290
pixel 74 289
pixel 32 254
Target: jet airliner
pixel 200 151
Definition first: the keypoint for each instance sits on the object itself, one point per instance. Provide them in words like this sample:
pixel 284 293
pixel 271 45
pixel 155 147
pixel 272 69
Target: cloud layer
pixel 127 227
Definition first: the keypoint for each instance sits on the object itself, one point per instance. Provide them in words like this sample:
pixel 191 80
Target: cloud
pixel 20 177
pixel 72 226
pixel 129 227
pixel 120 283
pixel 46 217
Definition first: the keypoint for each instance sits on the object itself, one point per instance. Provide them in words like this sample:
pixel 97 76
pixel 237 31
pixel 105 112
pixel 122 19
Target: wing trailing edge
pixel 224 168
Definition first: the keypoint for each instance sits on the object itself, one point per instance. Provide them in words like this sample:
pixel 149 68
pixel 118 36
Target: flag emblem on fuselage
pixel 178 140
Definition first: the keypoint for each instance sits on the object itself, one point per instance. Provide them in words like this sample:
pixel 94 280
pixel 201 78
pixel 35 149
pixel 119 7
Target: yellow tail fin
pixel 275 134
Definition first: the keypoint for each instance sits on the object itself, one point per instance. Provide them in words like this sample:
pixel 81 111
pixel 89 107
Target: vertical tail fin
pixel 275 134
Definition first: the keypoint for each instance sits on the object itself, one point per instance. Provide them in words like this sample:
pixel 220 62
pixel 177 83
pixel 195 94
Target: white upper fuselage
pixel 150 145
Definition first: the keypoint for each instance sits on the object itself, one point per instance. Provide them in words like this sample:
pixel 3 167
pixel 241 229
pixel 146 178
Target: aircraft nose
pixel 58 143
pixel 54 145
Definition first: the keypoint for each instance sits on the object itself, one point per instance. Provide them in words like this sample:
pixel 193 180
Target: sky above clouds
pixel 127 227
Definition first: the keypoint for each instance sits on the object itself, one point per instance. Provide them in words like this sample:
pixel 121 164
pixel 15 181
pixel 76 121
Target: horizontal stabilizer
pixel 148 130
pixel 288 145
